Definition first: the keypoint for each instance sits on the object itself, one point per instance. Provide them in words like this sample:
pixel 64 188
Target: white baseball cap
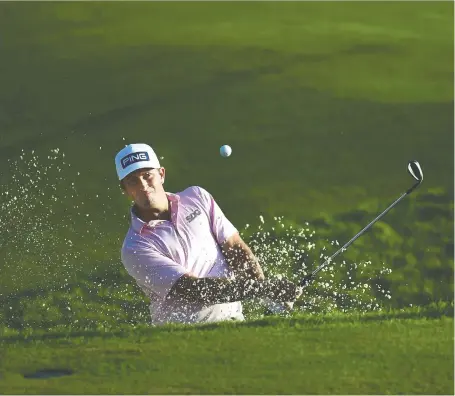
pixel 135 156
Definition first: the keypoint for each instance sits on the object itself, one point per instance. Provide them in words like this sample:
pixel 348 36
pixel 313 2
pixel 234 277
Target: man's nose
pixel 143 184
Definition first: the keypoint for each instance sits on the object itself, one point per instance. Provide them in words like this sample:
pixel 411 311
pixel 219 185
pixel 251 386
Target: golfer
pixel 183 252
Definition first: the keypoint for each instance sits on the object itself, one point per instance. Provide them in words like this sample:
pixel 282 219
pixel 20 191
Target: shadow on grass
pixel 48 373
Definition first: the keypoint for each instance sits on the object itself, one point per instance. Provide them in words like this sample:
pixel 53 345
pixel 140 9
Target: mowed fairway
pixel 302 355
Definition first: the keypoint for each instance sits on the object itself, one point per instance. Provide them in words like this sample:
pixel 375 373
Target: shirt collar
pixel 139 225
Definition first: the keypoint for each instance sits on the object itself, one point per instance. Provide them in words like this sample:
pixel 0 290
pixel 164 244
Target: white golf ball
pixel 225 150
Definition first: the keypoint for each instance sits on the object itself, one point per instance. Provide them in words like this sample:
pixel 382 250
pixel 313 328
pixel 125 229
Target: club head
pixel 415 170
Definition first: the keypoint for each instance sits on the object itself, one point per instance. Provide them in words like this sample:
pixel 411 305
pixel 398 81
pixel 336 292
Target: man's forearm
pixel 243 262
pixel 217 290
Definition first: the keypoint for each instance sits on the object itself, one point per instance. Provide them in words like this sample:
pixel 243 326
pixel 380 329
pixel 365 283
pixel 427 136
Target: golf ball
pixel 225 150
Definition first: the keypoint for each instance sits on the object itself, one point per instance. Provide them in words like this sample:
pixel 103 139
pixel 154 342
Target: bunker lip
pixel 48 373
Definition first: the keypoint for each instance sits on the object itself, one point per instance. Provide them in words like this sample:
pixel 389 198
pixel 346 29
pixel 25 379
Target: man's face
pixel 144 186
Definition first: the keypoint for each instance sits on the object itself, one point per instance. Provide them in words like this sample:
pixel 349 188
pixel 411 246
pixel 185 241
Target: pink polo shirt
pixel 158 253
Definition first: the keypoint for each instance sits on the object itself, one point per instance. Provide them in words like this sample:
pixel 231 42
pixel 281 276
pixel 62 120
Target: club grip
pixel 306 281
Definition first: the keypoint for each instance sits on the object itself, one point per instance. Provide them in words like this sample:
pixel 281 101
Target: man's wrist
pixel 253 288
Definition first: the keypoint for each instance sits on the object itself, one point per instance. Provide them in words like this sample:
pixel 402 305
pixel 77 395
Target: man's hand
pixel 283 290
pixel 217 290
pixel 277 307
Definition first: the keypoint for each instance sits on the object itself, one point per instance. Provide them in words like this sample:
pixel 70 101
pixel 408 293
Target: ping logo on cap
pixel 133 158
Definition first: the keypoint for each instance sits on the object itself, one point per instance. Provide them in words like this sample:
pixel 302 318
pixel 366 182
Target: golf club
pixel 416 172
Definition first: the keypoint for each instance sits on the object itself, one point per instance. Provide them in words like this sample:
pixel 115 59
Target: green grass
pixel 293 87
pixel 323 104
pixel 407 352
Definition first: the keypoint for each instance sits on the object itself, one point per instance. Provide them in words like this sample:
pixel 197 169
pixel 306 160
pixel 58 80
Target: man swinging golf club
pixel 183 252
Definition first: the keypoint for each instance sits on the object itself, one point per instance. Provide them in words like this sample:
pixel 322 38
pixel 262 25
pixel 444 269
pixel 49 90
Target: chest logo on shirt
pixel 193 215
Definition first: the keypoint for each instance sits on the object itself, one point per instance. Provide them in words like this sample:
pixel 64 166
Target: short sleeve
pixel 152 270
pixel 221 227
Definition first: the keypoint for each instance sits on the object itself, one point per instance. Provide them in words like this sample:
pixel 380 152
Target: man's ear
pixel 162 172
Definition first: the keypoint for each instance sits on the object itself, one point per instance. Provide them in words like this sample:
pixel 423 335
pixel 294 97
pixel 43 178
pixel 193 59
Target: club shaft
pixel 306 280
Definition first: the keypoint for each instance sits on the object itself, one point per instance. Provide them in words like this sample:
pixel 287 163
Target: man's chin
pixel 146 205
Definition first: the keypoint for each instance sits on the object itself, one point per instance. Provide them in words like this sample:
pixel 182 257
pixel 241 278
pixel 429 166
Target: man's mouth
pixel 148 195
